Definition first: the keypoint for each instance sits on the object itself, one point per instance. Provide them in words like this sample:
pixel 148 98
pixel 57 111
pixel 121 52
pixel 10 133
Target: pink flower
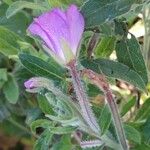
pixel 60 31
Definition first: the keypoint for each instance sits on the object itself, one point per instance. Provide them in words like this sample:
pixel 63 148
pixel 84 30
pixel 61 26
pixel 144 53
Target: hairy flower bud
pixel 35 84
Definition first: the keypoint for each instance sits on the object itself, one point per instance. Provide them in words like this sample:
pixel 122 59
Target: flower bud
pixel 35 84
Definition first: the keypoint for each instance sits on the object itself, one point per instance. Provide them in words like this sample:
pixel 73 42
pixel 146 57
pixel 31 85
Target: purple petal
pixel 60 13
pixel 35 29
pixel 56 26
pixel 51 27
pixel 76 26
pixel 28 84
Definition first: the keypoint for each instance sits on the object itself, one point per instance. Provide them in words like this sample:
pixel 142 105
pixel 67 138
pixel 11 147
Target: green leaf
pixel 44 141
pixel 62 130
pixel 19 5
pixel 144 111
pixel 128 106
pixel 93 90
pixel 56 3
pixel 7 49
pixel 120 28
pixel 41 68
pixel 115 70
pixel 60 3
pixel 3 74
pixel 145 131
pixel 129 53
pixel 105 119
pixel 142 146
pixel 8 1
pixel 4 113
pixel 64 143
pixel 105 46
pixel 2 82
pixel 18 23
pixel 11 90
pixel 66 106
pixel 44 123
pixel 8 42
pixel 9 36
pixel 44 105
pixel 4 63
pixel 32 115
pixel 59 104
pixel 132 134
pixel 97 12
pixel 107 29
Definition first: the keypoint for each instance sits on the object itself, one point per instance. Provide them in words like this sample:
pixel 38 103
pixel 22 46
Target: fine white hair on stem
pixel 91 144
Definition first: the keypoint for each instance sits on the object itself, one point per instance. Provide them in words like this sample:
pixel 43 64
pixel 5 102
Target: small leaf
pixel 4 113
pixel 115 70
pixel 7 49
pixel 32 115
pixel 19 5
pixel 72 106
pixel 41 68
pixel 107 29
pixel 64 144
pixel 3 74
pixel 64 3
pixel 61 108
pixel 142 146
pixel 17 23
pixel 97 12
pixel 44 123
pixel 62 130
pixel 129 53
pixel 128 106
pixel 145 131
pixel 105 46
pixel 56 3
pixel 144 111
pixel 44 105
pixel 44 141
pixel 93 90
pixel 132 134
pixel 105 119
pixel 11 90
pixel 8 42
pixel 121 29
pixel 9 36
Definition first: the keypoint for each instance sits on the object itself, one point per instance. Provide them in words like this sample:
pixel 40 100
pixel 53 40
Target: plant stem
pixel 116 119
pixel 92 44
pixel 101 82
pixel 82 98
pixel 146 46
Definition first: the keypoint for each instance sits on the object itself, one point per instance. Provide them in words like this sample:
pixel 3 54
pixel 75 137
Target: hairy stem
pixel 116 119
pixel 101 82
pixel 82 98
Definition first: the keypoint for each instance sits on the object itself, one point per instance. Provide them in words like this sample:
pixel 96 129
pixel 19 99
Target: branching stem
pixel 82 98
pixel 101 82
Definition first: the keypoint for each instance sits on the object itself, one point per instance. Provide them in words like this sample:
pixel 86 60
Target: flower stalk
pixel 100 82
pixel 82 98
